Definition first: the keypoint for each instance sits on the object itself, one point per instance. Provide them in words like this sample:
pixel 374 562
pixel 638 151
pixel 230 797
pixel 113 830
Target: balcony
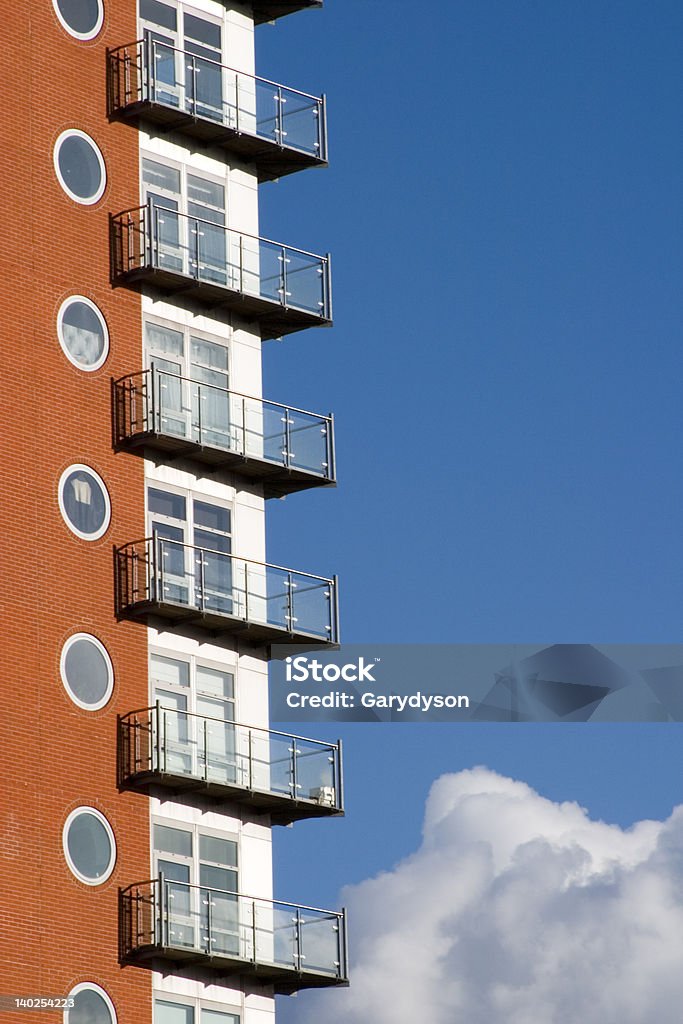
pixel 279 130
pixel 281 944
pixel 281 288
pixel 224 594
pixel 269 10
pixel 287 449
pixel 289 777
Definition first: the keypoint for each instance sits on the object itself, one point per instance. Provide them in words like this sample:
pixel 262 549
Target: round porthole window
pixel 82 333
pixel 79 166
pixel 91 1005
pixel 82 19
pixel 84 502
pixel 86 671
pixel 89 845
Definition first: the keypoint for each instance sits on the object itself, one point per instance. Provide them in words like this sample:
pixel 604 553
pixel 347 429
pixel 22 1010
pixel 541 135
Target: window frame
pixel 89 368
pixel 101 530
pixel 81 36
pixel 68 644
pixel 70 133
pixel 85 879
pixel 92 986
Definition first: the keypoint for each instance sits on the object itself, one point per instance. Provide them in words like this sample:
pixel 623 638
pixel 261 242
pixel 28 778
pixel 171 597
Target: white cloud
pixel 517 910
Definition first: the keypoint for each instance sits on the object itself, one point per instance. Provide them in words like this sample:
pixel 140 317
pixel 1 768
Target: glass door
pixel 171 556
pixel 213 565
pixel 210 398
pixel 203 73
pixel 215 704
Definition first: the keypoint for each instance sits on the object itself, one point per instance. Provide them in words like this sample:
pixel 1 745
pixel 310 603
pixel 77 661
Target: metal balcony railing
pixel 282 288
pixel 288 449
pixel 225 594
pixel 282 944
pixel 289 776
pixel 280 130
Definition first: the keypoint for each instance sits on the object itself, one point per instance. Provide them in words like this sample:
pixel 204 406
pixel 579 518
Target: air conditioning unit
pixel 324 795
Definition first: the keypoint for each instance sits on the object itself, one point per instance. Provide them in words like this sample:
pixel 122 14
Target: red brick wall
pixel 56 931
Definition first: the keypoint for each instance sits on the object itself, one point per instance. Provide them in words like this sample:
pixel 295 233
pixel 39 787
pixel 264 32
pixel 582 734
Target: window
pixel 191 381
pixel 82 19
pixel 192 545
pixel 79 167
pixel 89 845
pixel 200 885
pixel 188 221
pixel 92 1005
pixel 166 1012
pixel 82 333
pixel 187 54
pixel 84 502
pixel 86 671
pixel 197 709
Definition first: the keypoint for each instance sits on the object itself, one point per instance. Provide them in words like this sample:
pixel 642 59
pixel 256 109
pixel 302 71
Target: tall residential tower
pixel 142 782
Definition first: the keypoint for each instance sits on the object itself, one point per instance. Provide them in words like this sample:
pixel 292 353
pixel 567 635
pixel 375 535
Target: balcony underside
pixel 220 624
pixel 271 160
pixel 284 980
pixel 277 480
pixel 274 319
pixel 270 10
pixel 282 809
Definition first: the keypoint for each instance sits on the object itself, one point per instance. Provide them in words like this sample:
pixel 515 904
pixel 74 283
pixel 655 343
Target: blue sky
pixel 504 213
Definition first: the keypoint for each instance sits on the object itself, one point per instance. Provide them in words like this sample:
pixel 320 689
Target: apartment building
pixel 142 781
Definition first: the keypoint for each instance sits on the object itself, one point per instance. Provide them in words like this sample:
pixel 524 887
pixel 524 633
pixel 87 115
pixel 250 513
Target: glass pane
pixel 172 1013
pixel 214 517
pixel 83 333
pixel 209 353
pixel 300 122
pixel 308 443
pixel 214 682
pixel 81 16
pixel 218 1017
pixel 84 502
pixel 203 31
pixel 164 339
pixel 165 503
pixel 161 176
pixel 311 605
pixel 89 1008
pixel 173 840
pixel 219 851
pixel 304 281
pixel 79 166
pixel 168 670
pixel 89 846
pixel 158 13
pixel 208 193
pixel 315 773
pixel 87 671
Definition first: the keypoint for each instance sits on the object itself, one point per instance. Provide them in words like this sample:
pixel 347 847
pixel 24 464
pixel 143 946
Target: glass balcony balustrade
pixel 288 449
pixel 288 946
pixel 225 594
pixel 290 777
pixel 278 129
pixel 282 288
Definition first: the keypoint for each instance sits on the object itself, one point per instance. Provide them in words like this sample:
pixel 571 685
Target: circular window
pixel 79 165
pixel 82 333
pixel 84 502
pixel 91 1005
pixel 89 845
pixel 86 671
pixel 81 18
